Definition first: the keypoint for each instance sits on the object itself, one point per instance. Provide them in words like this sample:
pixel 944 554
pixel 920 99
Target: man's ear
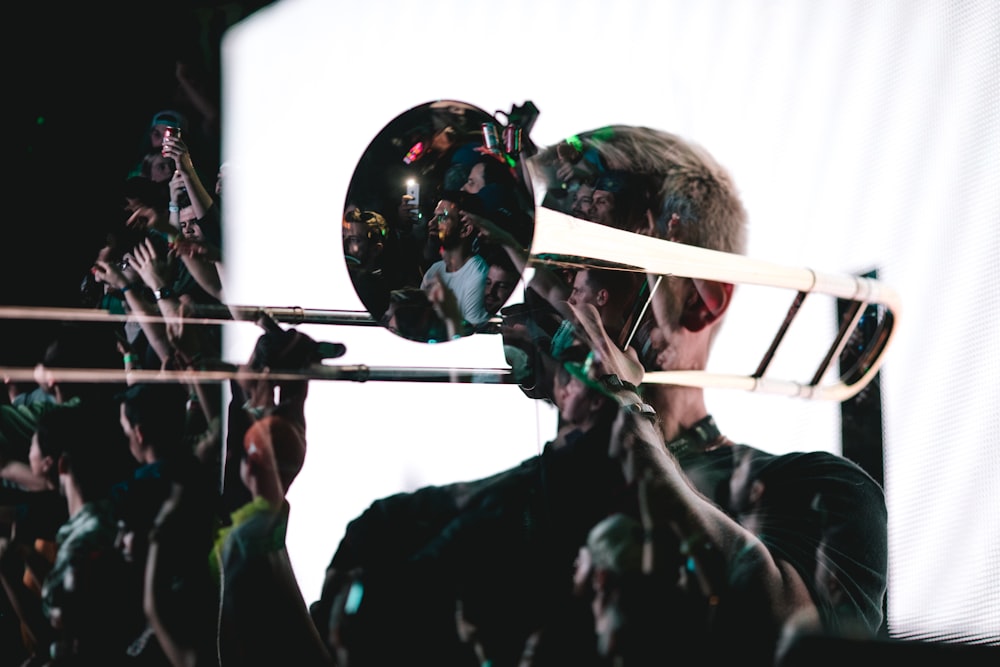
pixel 602 297
pixel 706 303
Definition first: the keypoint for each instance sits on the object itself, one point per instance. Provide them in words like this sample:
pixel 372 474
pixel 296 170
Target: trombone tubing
pixel 200 314
pixel 562 236
pixel 227 372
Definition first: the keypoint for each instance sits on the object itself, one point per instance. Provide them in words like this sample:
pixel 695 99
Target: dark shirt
pixel 38 514
pixel 85 585
pixel 371 287
pixel 821 513
pixel 264 619
pixel 506 546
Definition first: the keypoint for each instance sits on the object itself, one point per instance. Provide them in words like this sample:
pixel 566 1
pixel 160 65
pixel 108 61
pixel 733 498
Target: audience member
pixel 583 199
pixel 157 167
pixel 501 278
pixel 460 268
pixel 82 615
pixel 612 293
pixel 151 143
pixel 36 511
pixel 72 345
pixel 206 207
pixel 153 421
pixel 364 236
pixel 261 597
pixel 411 314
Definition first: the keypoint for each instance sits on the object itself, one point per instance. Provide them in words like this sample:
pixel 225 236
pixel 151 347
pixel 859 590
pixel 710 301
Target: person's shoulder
pixel 479 263
pixel 837 478
pixel 93 528
pixel 432 270
pixel 821 462
pixel 799 460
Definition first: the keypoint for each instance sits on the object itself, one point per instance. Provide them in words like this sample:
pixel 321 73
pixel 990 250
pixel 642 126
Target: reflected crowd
pixel 144 520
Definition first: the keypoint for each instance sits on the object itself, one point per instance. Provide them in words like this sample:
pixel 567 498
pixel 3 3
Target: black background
pixel 82 83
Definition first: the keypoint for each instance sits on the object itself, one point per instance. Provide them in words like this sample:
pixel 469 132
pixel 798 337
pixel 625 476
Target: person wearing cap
pixel 263 616
pixel 583 402
pixel 150 155
pixel 168 118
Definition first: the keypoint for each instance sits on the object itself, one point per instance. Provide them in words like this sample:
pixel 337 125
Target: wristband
pixel 126 288
pixel 163 293
pixel 129 358
pixel 174 208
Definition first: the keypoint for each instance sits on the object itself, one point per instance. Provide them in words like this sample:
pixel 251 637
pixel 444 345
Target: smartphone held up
pixel 169 132
pixel 412 197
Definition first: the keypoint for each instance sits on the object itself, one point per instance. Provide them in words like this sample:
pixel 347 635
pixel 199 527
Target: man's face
pixel 602 207
pixel 583 200
pixel 499 286
pixel 582 291
pixel 449 225
pixel 125 542
pixel 161 169
pixel 477 179
pixel 663 343
pixel 190 228
pixel 356 241
pixel 156 135
pixel 573 400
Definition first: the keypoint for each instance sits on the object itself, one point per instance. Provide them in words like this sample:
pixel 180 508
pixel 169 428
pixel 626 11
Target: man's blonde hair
pixel 669 175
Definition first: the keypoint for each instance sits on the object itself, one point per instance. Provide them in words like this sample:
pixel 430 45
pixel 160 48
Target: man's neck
pixel 74 501
pixel 454 258
pixel 678 408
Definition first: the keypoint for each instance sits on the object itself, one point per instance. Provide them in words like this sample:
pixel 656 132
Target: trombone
pixel 866 330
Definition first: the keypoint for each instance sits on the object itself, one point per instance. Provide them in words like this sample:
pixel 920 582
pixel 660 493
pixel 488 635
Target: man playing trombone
pixel 746 547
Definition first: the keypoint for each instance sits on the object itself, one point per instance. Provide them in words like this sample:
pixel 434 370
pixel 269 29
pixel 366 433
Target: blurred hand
pixel 151 267
pixel 639 448
pixel 112 275
pixel 182 71
pixel 408 211
pixel 624 364
pixel 147 217
pixel 184 247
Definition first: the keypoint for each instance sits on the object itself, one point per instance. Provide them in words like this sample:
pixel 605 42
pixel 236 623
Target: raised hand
pixel 114 274
pixel 151 267
pixel 625 364
pixel 176 149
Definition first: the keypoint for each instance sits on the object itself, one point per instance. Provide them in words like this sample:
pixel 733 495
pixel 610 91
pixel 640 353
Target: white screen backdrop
pixel 862 134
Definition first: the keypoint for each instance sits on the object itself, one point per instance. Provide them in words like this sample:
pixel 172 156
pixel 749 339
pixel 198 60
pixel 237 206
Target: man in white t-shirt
pixel 461 270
